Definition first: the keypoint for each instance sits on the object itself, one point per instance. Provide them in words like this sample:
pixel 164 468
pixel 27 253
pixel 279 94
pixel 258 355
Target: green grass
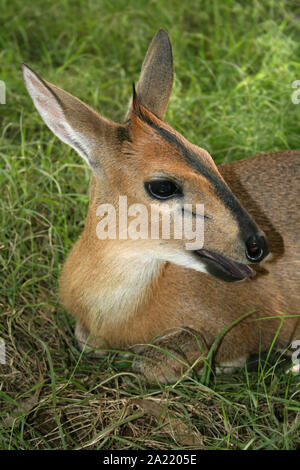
pixel 235 63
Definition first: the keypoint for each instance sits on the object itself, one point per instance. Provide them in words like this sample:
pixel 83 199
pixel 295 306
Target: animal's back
pixel 269 187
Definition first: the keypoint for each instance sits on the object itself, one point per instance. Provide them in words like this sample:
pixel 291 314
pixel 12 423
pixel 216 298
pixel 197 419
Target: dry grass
pixel 53 398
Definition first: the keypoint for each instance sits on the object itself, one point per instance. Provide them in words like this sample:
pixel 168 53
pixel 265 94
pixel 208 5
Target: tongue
pixel 235 269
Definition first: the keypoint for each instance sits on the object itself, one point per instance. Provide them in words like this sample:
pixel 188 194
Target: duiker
pixel 127 292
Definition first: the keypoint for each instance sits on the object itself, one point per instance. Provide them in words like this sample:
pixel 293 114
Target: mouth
pixel 224 268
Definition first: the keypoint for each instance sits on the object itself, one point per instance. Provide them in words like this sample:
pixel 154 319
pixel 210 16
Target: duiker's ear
pixel 156 79
pixel 71 120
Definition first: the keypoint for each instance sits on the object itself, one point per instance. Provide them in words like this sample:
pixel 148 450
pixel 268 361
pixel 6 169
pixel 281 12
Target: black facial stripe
pixel 246 223
pixel 186 211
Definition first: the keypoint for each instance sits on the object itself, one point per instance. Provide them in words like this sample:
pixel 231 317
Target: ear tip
pixel 29 74
pixel 162 41
pixel 23 67
pixel 163 35
pixel 162 32
pixel 26 70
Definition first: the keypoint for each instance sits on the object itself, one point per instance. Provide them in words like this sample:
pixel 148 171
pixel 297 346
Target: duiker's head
pixel 152 165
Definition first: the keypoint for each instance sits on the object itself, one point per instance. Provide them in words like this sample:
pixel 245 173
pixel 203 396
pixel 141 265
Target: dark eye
pixel 163 189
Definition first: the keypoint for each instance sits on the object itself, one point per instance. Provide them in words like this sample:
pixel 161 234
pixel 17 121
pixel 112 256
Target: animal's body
pixel 127 292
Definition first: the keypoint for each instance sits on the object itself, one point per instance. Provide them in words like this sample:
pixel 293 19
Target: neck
pixel 126 281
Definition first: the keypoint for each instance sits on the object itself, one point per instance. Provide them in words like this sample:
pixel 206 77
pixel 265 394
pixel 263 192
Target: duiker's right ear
pixel 156 79
pixel 71 120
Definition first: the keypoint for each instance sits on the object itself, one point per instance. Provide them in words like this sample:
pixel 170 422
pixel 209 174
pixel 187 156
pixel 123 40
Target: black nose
pixel 256 248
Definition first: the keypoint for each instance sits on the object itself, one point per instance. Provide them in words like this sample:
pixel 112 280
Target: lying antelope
pixel 127 292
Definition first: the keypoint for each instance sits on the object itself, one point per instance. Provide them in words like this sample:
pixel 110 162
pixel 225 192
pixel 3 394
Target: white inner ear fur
pixel 53 115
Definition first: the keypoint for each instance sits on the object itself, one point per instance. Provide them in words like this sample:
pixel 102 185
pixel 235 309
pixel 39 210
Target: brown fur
pixel 125 292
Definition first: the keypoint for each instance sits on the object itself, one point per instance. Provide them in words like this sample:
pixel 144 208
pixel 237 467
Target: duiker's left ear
pixel 75 123
pixel 156 79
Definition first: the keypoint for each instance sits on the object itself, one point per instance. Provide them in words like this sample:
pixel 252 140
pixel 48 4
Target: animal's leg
pixel 171 355
pixel 87 343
